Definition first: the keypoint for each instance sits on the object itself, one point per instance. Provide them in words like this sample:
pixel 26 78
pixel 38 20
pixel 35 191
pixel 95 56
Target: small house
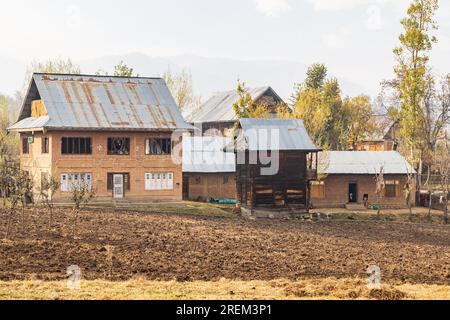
pixel 349 177
pixel 114 134
pixel 275 162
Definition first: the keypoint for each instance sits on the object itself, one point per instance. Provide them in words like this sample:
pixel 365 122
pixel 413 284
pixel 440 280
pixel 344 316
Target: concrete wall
pixel 99 164
pixel 337 190
pixel 205 185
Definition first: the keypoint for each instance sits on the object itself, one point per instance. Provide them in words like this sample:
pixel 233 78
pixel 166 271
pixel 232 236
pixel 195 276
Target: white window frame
pixel 158 181
pixel 68 178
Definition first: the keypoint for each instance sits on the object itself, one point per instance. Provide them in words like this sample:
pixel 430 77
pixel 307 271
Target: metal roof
pixel 274 134
pixel 219 108
pixel 363 162
pixel 30 123
pixel 101 102
pixel 206 155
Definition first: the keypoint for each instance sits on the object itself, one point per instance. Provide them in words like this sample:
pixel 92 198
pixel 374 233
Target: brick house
pixel 208 172
pixel 349 177
pixel 113 133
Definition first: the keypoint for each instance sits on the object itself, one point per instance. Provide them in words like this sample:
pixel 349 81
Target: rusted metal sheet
pixel 102 102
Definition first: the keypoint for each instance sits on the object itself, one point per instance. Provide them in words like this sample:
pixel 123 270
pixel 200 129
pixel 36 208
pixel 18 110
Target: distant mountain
pixel 219 74
pixel 209 74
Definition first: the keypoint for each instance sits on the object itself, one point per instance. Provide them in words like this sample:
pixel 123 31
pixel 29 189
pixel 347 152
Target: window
pixel 119 146
pixel 126 181
pixel 76 146
pixel 158 146
pixel 225 180
pixel 318 189
pixel 71 181
pixel 159 181
pixel 25 146
pixel 45 145
pixel 392 189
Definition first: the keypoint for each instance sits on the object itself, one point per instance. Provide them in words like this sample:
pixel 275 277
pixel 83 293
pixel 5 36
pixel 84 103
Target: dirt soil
pixel 126 245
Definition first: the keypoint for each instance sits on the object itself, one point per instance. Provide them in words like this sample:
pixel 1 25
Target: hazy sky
pixel 353 37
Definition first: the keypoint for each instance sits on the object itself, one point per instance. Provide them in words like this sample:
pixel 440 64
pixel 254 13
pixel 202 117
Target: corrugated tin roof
pixel 274 134
pixel 363 162
pixel 206 155
pixel 103 102
pixel 30 123
pixel 219 108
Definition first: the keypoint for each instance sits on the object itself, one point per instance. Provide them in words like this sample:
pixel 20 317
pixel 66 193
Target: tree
pixel 82 193
pixel 411 81
pixel 380 188
pixel 24 188
pixel 315 76
pixel 245 106
pixel 315 79
pixel 8 141
pixel 182 88
pixel 19 187
pixel 122 70
pixel 49 185
pixel 322 110
pixel 360 119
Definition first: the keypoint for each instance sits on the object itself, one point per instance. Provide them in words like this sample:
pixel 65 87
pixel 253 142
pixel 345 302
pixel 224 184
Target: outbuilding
pixel 349 177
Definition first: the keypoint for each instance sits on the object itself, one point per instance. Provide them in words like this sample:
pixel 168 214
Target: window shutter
pixel 170 181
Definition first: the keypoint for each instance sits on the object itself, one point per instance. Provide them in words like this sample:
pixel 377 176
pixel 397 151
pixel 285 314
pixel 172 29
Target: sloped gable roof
pixel 363 162
pixel 219 108
pixel 273 135
pixel 101 102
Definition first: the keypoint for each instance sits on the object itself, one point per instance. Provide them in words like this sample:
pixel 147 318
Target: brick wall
pixel 215 185
pixel 99 164
pixel 337 190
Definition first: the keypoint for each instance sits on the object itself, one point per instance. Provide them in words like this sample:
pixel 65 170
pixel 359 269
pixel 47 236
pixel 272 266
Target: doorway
pixel 118 186
pixel 352 193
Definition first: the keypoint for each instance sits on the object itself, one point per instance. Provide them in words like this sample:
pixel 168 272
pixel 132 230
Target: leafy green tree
pixel 360 119
pixel 315 79
pixel 315 76
pixel 412 57
pixel 122 70
pixel 318 102
pixel 245 106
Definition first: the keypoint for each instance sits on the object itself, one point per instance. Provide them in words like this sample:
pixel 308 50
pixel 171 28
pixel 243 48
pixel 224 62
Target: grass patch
pixel 329 288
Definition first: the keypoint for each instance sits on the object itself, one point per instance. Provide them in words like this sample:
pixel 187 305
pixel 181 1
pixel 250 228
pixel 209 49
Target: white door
pixel 118 186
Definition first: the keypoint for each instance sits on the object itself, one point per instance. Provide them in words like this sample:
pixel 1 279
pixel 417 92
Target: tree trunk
pixel 446 208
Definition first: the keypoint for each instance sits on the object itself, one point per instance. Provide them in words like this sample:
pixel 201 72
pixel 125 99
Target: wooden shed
pixel 275 162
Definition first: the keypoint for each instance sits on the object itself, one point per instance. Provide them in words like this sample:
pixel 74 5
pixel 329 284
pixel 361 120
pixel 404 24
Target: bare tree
pixel 20 186
pixel 182 88
pixel 409 191
pixel 380 188
pixel 82 193
pixel 444 171
pixel 49 185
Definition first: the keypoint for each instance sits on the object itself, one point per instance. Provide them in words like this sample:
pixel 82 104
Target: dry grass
pixel 221 290
pixel 420 215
